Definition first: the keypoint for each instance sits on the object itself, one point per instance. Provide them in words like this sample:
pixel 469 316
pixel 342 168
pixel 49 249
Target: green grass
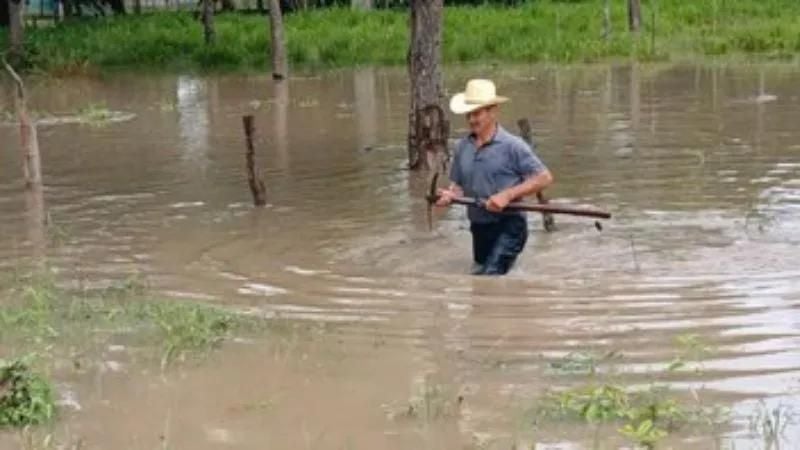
pixel 36 315
pixel 544 30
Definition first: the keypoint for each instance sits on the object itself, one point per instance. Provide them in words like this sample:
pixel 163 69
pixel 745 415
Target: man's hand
pixel 498 202
pixel 446 196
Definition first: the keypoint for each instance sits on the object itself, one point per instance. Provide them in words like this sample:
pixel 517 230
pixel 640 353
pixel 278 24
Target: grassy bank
pixel 538 31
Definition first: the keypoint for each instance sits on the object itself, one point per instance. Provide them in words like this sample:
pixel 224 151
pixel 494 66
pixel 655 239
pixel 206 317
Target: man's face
pixel 482 119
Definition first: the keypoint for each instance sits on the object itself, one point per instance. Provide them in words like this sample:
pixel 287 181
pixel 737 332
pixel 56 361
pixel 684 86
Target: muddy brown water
pixel 700 166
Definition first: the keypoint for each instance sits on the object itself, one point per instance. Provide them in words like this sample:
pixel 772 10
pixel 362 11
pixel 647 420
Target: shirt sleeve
pixel 526 162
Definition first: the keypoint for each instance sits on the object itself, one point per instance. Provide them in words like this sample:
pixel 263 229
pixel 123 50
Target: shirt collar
pixel 498 135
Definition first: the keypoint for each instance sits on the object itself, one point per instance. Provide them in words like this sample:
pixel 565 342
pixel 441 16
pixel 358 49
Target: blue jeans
pixel 496 246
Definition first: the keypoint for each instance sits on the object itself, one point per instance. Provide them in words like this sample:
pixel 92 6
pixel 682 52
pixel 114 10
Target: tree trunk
pixel 653 8
pixel 634 15
pixel 278 48
pixel 607 20
pixel 70 8
pixel 427 123
pixel 228 5
pixel 16 29
pixel 208 21
pixel 137 6
pixel 4 13
pixel 59 12
pixel 118 6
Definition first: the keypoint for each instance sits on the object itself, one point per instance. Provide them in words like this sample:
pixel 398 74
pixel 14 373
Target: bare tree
pixel 278 46
pixel 428 128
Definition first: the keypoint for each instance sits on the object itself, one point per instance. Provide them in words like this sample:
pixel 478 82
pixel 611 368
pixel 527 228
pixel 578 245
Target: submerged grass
pixel 36 314
pixel 644 415
pixel 545 30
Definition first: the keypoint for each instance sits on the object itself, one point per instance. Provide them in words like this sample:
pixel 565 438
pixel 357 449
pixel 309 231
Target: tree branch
pixel 17 79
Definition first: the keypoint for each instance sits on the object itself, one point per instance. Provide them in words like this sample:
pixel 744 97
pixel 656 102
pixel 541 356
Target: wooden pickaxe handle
pixel 543 208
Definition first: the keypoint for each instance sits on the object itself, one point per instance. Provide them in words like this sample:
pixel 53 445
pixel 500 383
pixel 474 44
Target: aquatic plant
pixel 581 363
pixel 95 114
pixel 26 398
pixel 645 416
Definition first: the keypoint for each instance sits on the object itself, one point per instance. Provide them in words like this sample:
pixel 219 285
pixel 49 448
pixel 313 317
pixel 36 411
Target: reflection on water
pixel 365 107
pixel 698 164
pixel 193 122
pixel 281 140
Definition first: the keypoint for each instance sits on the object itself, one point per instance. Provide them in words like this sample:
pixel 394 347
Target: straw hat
pixel 478 94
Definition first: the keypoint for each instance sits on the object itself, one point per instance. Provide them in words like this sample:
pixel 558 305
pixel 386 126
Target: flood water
pixel 700 166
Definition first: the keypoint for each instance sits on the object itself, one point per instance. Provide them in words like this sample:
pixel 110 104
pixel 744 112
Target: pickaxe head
pixel 432 197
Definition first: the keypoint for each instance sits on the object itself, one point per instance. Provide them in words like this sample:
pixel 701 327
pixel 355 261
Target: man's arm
pixel 533 184
pixel 536 177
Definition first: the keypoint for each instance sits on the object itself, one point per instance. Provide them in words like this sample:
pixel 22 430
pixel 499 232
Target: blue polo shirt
pixel 504 161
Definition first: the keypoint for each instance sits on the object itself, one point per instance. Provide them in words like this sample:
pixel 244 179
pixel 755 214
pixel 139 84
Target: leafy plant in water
pixel 594 403
pixel 648 416
pixel 26 398
pixel 95 114
pixel 581 363
pixel 646 433
pixel 691 349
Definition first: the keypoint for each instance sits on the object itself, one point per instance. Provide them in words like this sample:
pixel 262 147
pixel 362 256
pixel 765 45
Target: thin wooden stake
pixel 27 133
pixel 32 169
pixel 257 187
pixel 526 131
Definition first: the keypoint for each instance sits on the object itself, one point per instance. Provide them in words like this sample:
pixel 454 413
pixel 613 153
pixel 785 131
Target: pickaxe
pixel 432 197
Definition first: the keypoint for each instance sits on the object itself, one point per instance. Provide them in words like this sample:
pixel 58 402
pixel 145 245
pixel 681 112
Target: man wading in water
pixel 493 165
